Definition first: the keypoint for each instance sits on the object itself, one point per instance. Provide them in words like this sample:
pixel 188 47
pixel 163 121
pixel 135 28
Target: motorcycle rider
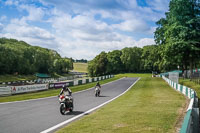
pixel 97 88
pixel 67 92
pixel 98 85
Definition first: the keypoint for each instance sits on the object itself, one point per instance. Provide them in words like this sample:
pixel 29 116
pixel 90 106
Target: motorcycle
pixel 66 104
pixel 97 92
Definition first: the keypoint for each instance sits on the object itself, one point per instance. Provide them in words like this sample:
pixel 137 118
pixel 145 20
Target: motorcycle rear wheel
pixel 71 109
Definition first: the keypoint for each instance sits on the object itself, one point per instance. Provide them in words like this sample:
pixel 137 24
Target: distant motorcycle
pixel 66 104
pixel 97 92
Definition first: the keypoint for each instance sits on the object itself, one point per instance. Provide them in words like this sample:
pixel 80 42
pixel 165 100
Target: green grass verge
pixel 190 84
pixel 134 75
pixel 80 67
pixel 150 106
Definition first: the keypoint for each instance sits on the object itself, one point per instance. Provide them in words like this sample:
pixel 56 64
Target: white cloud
pixel 134 25
pixel 159 5
pixel 89 49
pixel 79 27
pixel 32 34
pixel 145 41
pixel 129 4
pixel 11 2
pixel 35 13
pixel 3 18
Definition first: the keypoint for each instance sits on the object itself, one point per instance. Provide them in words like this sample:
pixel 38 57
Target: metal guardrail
pixel 191 119
pixel 14 89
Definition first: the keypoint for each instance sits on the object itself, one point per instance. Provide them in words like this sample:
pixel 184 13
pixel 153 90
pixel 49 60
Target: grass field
pixel 80 67
pixel 150 106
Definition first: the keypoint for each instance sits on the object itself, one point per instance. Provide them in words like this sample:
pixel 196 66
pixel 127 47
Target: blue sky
pixel 81 28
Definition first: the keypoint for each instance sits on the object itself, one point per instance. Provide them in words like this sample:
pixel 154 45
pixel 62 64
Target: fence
pixel 40 80
pixel 191 119
pixel 9 90
pixel 78 82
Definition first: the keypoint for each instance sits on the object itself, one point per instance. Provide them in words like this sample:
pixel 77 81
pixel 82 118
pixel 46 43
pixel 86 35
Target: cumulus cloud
pixel 19 29
pixel 11 2
pixel 145 41
pixel 76 32
pixel 35 13
pixel 134 25
pixel 159 5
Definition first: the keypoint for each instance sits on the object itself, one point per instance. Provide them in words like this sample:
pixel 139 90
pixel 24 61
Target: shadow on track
pixel 75 113
pixel 103 96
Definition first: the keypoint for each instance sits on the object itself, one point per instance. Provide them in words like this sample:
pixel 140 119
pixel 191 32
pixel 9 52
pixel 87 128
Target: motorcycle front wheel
pixel 98 93
pixel 62 109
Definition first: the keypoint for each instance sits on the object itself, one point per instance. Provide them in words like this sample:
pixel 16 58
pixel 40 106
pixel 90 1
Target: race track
pixel 35 116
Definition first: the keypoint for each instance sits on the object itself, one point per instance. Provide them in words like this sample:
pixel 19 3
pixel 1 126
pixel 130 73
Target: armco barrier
pixel 76 82
pixel 8 90
pixel 191 119
pixel 83 81
pixel 28 88
pixel 80 82
pixel 5 90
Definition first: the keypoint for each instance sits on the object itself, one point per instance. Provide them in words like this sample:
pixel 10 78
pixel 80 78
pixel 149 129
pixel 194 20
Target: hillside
pixel 80 67
pixel 19 57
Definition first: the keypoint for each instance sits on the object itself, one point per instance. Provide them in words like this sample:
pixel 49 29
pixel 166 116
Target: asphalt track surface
pixel 35 116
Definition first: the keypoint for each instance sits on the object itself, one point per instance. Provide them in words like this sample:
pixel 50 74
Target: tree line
pixel 177 39
pixel 132 59
pixel 18 57
pixel 81 61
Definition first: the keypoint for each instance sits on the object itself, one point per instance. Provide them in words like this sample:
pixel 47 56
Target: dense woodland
pixel 177 45
pixel 18 57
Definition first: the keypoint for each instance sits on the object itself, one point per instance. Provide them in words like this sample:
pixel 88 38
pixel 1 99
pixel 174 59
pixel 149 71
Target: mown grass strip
pixel 150 106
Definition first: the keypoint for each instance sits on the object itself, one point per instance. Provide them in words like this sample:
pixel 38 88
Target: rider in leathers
pixel 66 92
pixel 98 85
